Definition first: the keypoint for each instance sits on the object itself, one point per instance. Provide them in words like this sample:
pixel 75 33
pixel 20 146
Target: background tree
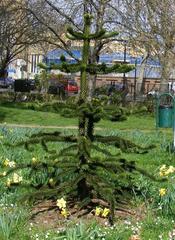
pixel 17 32
pixel 150 25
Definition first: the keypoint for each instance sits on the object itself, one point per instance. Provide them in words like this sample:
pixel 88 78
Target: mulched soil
pixel 47 215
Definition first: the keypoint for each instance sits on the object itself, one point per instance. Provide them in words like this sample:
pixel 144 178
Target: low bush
pixel 68 113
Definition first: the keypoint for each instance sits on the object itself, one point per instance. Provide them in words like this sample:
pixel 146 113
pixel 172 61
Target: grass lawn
pixel 150 219
pixel 22 116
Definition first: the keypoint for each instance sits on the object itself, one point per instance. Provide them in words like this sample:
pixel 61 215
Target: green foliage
pixel 12 222
pixel 118 115
pixel 156 227
pixel 115 98
pixel 68 113
pixel 94 231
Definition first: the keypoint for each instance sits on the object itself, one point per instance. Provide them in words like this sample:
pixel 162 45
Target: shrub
pixel 68 113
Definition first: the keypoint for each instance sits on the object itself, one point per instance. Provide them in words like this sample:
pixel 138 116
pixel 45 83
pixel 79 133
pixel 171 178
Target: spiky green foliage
pixel 83 170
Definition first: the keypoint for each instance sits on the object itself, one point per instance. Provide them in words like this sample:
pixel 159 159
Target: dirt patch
pixel 47 215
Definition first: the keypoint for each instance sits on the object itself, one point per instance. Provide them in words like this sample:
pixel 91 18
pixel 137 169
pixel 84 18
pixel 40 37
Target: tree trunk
pixel 3 72
pixel 91 85
pixel 165 75
pixel 141 81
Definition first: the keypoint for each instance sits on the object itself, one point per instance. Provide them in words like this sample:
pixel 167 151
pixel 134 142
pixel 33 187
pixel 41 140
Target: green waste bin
pixel 165 114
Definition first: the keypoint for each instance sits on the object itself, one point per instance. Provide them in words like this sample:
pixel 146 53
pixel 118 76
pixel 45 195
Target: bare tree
pixel 150 25
pixel 17 32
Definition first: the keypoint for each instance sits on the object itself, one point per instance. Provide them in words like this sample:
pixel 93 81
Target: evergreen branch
pixel 47 192
pixel 66 67
pixel 57 156
pixel 145 173
pixel 67 172
pixel 43 66
pixel 43 134
pixel 109 35
pixel 45 148
pixel 70 37
pixel 63 165
pixel 48 138
pixel 111 167
pixel 84 202
pixel 28 147
pixel 117 68
pixel 99 180
pixel 64 189
pixel 104 151
pixel 97 35
pixel 75 34
pixel 122 143
pixel 67 149
pixel 104 69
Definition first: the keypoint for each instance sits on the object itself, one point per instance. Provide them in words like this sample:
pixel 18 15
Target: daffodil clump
pixel 8 163
pixel 165 170
pixel 16 179
pixel 102 212
pixel 162 192
pixel 61 204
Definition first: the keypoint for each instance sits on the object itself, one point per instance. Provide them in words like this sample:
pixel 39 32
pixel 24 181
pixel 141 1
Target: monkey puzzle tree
pixel 84 171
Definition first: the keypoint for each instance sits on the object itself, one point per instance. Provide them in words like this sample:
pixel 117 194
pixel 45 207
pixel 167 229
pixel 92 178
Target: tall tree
pixel 90 179
pixel 150 25
pixel 17 32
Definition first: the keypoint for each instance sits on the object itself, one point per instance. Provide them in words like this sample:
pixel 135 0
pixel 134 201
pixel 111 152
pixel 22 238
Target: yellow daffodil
pixel 8 183
pixel 105 212
pixel 34 160
pixel 3 174
pixel 51 182
pixel 162 174
pixel 98 211
pixel 163 171
pixel 61 203
pixel 171 169
pixel 163 167
pixel 64 212
pixel 162 192
pixel 6 162
pixel 16 178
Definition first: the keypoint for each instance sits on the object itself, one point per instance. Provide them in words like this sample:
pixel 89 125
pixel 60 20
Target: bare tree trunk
pixel 165 74
pixel 3 73
pixel 92 85
pixel 141 81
